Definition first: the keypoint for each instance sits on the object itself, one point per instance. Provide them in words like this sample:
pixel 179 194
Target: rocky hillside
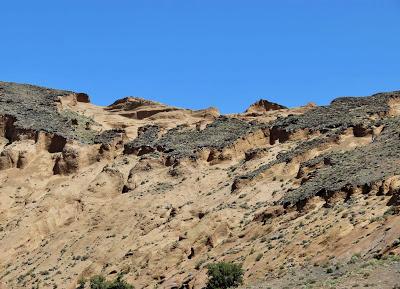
pixel 304 198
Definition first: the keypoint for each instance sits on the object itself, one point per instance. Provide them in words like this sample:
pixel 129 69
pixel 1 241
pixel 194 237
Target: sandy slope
pixel 161 224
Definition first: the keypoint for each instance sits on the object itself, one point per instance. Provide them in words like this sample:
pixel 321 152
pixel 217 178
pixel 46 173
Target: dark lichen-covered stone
pixel 183 142
pixel 219 134
pixel 363 165
pixel 342 113
pixel 145 142
pixel 33 109
pixel 108 136
pixel 359 113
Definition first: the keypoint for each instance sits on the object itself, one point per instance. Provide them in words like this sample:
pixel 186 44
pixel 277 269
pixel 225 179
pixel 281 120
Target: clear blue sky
pixel 200 53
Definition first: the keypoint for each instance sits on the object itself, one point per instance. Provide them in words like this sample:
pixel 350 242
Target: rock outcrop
pixel 264 105
pixel 157 193
pixel 138 108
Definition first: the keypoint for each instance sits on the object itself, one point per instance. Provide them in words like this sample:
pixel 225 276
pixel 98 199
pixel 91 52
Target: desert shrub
pixel 224 275
pixel 329 270
pixel 81 283
pixel 354 258
pixel 99 282
pixel 259 256
pixel 391 211
pixel 199 264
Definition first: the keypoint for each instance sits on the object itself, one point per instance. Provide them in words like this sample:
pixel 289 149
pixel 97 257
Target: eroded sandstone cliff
pixel 159 192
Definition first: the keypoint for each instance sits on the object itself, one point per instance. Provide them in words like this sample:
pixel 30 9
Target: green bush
pixel 81 283
pixel 224 275
pixel 99 282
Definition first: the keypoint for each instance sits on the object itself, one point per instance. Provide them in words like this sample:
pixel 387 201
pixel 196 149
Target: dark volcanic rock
pixel 358 167
pixel 221 133
pixel 342 113
pixel 145 142
pixel 363 165
pixel 29 109
pixel 183 142
pixel 108 136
